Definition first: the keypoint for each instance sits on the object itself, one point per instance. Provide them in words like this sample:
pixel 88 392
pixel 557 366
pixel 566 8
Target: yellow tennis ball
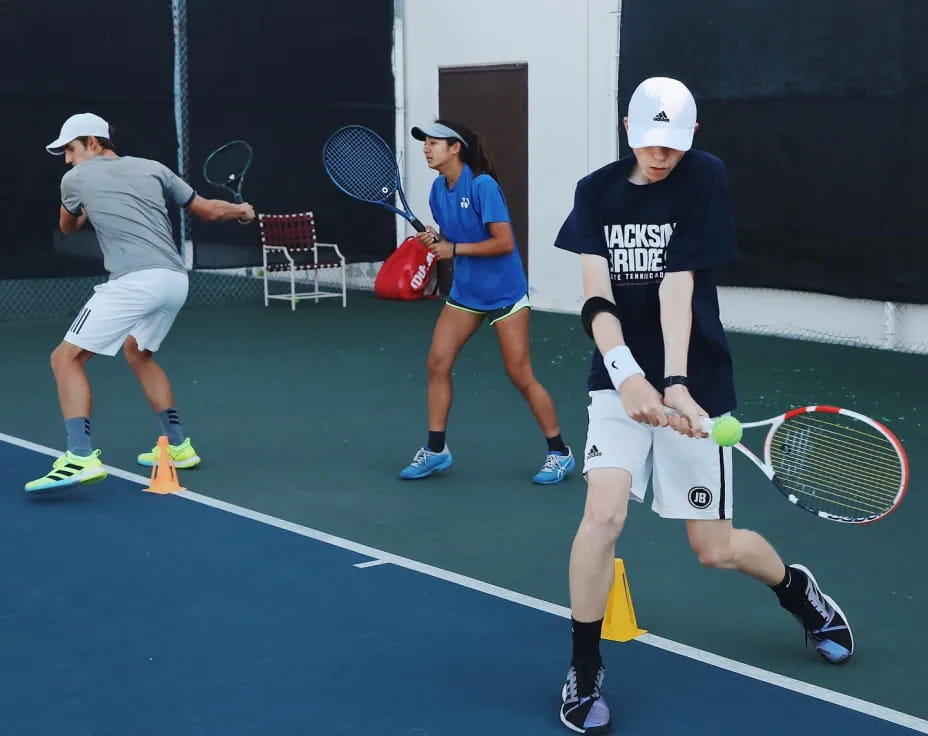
pixel 726 431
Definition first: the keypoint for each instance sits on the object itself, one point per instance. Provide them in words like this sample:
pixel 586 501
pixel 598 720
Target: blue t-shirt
pixel 683 223
pixel 463 213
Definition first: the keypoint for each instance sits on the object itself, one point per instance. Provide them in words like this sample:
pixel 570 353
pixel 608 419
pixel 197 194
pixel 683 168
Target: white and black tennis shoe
pixel 824 622
pixel 583 709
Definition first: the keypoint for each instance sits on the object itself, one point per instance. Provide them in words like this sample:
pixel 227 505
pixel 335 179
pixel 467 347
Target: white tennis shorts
pixel 143 304
pixel 691 478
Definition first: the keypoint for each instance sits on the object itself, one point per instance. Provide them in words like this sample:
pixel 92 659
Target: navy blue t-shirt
pixel 683 223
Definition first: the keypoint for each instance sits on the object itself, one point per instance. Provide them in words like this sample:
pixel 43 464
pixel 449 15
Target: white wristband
pixel 620 364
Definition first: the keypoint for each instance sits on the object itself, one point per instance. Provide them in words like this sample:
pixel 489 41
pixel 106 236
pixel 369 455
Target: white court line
pixel 380 557
pixel 372 563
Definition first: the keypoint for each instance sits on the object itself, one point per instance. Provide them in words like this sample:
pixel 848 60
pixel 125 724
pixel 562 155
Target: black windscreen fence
pixel 280 74
pixel 818 111
pixel 59 58
pixel 283 78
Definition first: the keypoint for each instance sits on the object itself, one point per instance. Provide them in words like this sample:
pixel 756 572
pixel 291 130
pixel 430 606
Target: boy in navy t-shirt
pixel 651 229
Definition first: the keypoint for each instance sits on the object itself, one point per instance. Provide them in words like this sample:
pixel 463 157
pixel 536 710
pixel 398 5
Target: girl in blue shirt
pixel 489 283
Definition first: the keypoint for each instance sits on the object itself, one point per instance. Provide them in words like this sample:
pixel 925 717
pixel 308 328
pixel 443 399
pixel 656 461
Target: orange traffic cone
pixel 163 473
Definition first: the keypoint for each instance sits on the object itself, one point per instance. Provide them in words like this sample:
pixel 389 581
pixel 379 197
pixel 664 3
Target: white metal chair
pixel 289 245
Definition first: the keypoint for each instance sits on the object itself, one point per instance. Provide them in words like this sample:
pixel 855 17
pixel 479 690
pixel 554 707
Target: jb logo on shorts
pixel 700 497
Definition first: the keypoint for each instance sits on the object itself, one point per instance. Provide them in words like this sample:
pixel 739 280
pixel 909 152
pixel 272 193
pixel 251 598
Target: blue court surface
pixel 126 613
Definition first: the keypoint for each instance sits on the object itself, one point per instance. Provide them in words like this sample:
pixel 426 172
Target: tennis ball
pixel 726 431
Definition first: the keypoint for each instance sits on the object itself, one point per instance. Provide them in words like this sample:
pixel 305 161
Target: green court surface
pixel 310 415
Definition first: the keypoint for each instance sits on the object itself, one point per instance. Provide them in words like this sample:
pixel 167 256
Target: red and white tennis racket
pixel 835 463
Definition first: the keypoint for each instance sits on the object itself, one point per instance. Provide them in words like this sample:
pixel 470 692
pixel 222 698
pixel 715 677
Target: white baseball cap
pixel 662 112
pixel 84 123
pixel 436 130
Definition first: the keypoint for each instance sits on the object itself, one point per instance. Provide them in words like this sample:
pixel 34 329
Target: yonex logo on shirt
pixel 661 117
pixel 465 202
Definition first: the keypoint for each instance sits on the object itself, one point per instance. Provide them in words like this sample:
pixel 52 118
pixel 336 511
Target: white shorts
pixel 691 478
pixel 143 304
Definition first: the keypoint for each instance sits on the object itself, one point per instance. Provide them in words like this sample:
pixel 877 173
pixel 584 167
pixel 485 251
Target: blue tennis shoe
pixel 425 462
pixel 556 468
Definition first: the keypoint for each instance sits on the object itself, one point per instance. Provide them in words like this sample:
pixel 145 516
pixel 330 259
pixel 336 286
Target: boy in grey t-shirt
pixel 126 200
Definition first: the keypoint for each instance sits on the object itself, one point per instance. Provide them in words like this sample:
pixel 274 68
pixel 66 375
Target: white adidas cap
pixel 84 123
pixel 662 112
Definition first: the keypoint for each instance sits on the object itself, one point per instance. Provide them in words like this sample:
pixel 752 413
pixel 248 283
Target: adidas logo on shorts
pixel 593 452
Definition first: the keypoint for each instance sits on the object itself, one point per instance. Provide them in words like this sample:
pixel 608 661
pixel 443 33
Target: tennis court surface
pixel 132 613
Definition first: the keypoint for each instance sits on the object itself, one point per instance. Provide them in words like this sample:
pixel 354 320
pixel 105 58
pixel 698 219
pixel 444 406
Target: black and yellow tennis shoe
pixel 183 455
pixel 69 470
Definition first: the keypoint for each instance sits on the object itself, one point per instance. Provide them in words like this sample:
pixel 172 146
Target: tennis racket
pixel 363 166
pixel 226 167
pixel 835 463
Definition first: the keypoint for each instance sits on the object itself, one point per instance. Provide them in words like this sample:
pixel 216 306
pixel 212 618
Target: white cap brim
pixel 436 130
pixel 76 126
pixel 679 139
pixel 56 147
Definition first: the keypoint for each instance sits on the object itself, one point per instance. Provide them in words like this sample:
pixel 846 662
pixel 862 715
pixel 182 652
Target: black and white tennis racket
pixel 835 463
pixel 363 166
pixel 226 167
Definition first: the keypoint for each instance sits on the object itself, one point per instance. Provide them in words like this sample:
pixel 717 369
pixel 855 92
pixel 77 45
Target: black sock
pixel 791 590
pixel 586 638
pixel 436 441
pixel 556 444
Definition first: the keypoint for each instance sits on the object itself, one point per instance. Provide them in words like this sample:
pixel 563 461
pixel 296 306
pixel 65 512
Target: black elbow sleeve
pixel 592 307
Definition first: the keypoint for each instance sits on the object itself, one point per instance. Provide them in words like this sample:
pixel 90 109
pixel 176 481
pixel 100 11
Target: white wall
pixel 823 318
pixel 571 49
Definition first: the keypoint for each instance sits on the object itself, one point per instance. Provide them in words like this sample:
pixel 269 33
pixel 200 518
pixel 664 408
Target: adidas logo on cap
pixel 661 117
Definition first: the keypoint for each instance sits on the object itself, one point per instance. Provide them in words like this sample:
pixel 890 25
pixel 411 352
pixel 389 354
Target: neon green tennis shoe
pixel 69 470
pixel 183 455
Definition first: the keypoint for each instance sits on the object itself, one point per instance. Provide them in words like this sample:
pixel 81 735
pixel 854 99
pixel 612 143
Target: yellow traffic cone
pixel 163 473
pixel 619 623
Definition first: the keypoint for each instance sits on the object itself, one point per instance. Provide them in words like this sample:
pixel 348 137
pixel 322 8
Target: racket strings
pixel 838 439
pixel 824 492
pixel 839 485
pixel 845 459
pixel 228 164
pixel 869 438
pixel 867 510
pixel 361 164
pixel 845 478
pixel 827 491
pixel 837 462
pixel 872 461
pixel 824 462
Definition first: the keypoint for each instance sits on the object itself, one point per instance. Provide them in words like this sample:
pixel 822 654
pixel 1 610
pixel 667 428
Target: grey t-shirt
pixel 126 201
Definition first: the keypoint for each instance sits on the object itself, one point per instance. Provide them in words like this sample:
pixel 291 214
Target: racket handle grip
pixel 418 225
pixel 707 423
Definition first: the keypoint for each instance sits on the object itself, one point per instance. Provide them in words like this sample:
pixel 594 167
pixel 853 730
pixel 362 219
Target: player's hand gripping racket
pixel 835 463
pixel 363 166
pixel 226 167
